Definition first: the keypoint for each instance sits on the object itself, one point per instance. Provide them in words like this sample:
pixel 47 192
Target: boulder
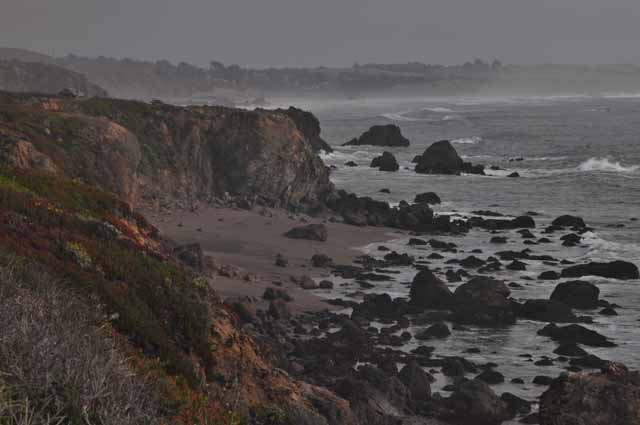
pixel 312 232
pixel 491 377
pixel 427 291
pixel 438 330
pixel 609 397
pixel 442 158
pixel 483 301
pixel 614 270
pixel 517 405
pixel 385 162
pixel 417 381
pixel 430 198
pixel 576 334
pixel 549 275
pixel 547 311
pixel 474 403
pixel 381 135
pixel 577 294
pixel 321 260
pixel 570 350
pixel 568 221
pixel 515 174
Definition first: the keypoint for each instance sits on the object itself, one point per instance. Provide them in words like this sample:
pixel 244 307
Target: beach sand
pixel 252 239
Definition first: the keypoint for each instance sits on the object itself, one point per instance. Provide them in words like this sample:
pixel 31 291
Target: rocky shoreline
pixel 242 199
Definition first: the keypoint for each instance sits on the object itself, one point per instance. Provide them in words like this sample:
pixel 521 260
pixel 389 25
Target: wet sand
pixel 252 239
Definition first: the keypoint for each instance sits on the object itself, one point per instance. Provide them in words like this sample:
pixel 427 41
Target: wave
pixel 438 109
pixel 467 140
pixel 604 164
pixel 401 116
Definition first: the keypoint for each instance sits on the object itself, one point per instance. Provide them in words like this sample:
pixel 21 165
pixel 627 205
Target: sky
pixel 301 33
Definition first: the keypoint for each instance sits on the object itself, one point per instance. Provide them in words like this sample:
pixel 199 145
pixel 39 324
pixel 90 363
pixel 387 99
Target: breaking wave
pixel 604 164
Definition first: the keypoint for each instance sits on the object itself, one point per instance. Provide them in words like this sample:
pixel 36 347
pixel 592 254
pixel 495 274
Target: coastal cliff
pixel 162 156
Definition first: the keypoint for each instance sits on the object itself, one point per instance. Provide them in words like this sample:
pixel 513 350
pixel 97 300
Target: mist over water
pixel 575 155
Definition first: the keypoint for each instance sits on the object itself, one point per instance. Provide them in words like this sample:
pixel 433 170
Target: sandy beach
pixel 251 240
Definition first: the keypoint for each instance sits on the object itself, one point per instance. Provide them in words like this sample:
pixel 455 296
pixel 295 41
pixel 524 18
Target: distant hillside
pixel 35 77
pixel 22 55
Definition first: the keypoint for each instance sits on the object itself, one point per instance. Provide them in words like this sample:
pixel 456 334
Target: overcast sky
pixel 329 32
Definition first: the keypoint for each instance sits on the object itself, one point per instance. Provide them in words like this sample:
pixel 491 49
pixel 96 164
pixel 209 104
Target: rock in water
pixel 385 162
pixel 569 221
pixel 417 381
pixel 577 294
pixel 312 232
pixel 483 301
pixel 547 311
pixel 430 198
pixel 606 398
pixel 575 334
pixel 428 291
pixel 614 270
pixel 381 135
pixel 442 158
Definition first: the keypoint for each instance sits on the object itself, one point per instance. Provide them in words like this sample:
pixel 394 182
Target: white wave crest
pixel 604 164
pixel 438 109
pixel 400 116
pixel 467 140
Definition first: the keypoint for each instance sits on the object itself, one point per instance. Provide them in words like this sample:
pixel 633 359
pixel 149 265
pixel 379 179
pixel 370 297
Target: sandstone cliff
pixel 160 155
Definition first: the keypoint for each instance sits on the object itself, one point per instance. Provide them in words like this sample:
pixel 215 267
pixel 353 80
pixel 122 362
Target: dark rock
pixel 575 334
pixel 472 262
pixel 570 350
pixel 542 380
pixel 385 162
pixel 321 260
pixel 381 135
pixel 438 330
pixel 281 261
pixel 614 270
pixel 350 164
pixel 427 198
pixel 393 258
pixel 606 398
pixel 427 291
pixel 526 234
pixel 568 221
pixel 516 265
pixel 384 191
pixel 325 284
pixel 309 126
pixel 589 362
pixel 498 239
pixel 577 294
pixel 473 402
pixel 279 309
pixel 483 301
pixel 417 242
pixel 276 294
pixel 305 282
pixel 517 381
pixel 313 232
pixel 549 275
pixel 547 311
pixel 442 158
pixel 514 174
pixel 417 381
pixel 517 405
pixel 491 377
pixel 531 419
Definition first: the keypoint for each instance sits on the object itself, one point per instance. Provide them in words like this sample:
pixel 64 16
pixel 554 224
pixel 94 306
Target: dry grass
pixel 58 362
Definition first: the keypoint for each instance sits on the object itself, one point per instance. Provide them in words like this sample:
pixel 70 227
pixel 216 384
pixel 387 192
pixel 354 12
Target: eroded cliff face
pixel 161 155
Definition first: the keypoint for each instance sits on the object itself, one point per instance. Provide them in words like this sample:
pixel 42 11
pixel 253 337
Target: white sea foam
pixel 400 116
pixel 467 140
pixel 604 164
pixel 438 109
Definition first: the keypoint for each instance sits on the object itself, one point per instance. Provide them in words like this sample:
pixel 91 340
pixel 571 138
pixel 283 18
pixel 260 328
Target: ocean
pixel 575 155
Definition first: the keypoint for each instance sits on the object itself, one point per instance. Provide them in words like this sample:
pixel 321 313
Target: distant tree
pixel 496 64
